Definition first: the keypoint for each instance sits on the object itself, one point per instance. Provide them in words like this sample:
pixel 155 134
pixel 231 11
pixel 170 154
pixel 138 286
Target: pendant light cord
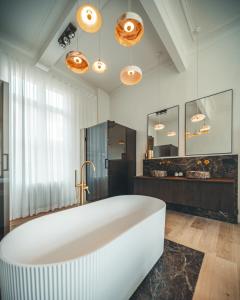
pixel 99 44
pixel 78 30
pixel 99 35
pixel 99 53
pixel 197 62
pixel 97 106
pixel 129 5
pixel 77 39
pixel 129 49
pixel 197 69
pixel 196 31
pixel 130 56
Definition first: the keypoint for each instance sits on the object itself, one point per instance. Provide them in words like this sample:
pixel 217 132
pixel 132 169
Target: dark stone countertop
pixel 178 178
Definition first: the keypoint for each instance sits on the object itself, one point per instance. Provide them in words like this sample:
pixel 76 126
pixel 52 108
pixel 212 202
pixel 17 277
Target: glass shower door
pixel 4 159
pixel 96 151
pixel 118 164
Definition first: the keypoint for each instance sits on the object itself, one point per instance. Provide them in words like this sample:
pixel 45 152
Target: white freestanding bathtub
pixel 102 250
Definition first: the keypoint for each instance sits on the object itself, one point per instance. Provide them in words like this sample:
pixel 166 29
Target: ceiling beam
pixel 51 51
pixel 159 12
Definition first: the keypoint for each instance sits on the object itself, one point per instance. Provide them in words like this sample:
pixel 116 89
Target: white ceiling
pixel 34 26
pixel 27 24
pixel 211 15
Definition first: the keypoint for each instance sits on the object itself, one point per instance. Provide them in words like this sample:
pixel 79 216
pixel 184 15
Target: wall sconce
pixel 67 35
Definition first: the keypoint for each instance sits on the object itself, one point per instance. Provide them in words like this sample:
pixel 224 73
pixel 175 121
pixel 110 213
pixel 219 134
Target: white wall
pixel 219 69
pixel 103 106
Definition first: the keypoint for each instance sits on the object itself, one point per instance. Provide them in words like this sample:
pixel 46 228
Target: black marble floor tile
pixel 173 277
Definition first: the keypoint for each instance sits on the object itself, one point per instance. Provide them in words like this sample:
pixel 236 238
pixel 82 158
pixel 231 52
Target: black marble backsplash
pixel 219 166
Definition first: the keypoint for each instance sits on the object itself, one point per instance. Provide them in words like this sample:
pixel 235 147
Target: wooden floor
pixel 219 278
pixel 15 223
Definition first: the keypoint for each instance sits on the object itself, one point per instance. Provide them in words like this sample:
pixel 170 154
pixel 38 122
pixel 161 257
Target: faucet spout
pixel 83 186
pixel 87 162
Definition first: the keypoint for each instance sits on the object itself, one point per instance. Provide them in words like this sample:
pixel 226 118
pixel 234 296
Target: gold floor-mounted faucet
pixel 82 186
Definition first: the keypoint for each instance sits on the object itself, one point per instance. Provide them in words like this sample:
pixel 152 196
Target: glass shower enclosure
pixel 112 148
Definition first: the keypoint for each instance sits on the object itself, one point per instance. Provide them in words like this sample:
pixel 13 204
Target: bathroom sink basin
pixel 198 174
pixel 158 173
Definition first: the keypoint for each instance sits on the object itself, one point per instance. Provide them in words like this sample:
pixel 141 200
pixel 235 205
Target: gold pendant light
pixel 77 62
pixel 99 66
pixel 89 18
pixel 128 32
pixel 131 75
pixel 129 29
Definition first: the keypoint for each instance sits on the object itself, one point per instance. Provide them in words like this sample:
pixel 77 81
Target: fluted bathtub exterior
pixel 106 262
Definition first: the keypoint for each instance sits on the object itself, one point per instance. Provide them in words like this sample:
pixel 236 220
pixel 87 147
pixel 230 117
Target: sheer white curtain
pixel 45 120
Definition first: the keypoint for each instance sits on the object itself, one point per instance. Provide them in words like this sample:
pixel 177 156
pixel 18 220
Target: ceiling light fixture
pixel 171 133
pixel 159 126
pixel 129 29
pixel 77 62
pixel 67 35
pixel 89 18
pixel 121 142
pixel 131 75
pixel 197 117
pixel 205 128
pixel 99 66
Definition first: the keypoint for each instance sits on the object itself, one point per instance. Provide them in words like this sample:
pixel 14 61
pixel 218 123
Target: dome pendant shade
pixel 197 118
pixel 77 62
pixel 99 66
pixel 89 18
pixel 205 128
pixel 171 133
pixel 129 29
pixel 159 126
pixel 131 75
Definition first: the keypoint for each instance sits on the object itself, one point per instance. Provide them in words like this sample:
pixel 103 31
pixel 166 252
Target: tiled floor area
pixel 179 266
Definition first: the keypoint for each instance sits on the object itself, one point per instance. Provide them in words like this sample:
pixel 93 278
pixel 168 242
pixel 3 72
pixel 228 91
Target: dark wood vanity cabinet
pixel 211 198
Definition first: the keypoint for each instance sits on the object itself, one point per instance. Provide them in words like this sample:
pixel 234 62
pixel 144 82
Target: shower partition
pixel 4 159
pixel 112 148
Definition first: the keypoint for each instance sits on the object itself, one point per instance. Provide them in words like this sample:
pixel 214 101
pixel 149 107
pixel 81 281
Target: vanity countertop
pixel 216 180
